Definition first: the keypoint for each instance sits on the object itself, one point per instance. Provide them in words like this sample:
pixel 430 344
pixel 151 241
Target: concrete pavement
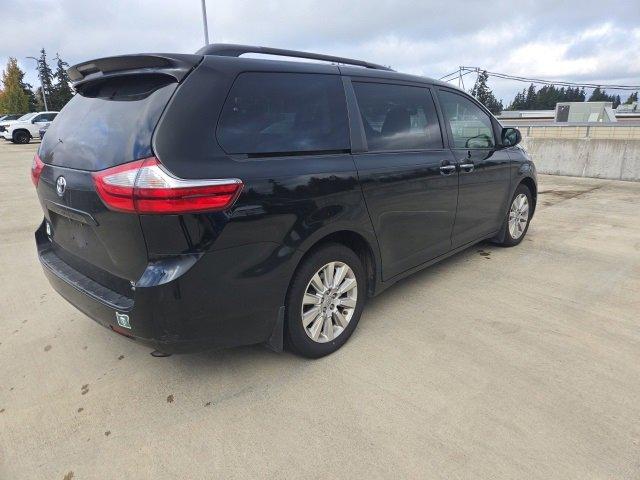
pixel 518 363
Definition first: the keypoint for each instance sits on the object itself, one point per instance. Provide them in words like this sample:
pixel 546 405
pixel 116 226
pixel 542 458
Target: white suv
pixel 26 127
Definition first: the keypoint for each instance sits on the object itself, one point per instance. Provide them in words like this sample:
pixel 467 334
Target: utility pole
pixel 44 95
pixel 204 22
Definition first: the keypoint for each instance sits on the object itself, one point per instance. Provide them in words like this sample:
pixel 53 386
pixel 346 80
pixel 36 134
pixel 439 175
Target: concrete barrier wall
pixel 585 151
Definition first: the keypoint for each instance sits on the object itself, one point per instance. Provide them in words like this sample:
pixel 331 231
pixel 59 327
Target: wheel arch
pixel 18 130
pixel 531 184
pixel 533 188
pixel 365 248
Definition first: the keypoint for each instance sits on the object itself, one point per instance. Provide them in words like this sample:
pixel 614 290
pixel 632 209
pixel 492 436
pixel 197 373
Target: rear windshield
pixel 107 124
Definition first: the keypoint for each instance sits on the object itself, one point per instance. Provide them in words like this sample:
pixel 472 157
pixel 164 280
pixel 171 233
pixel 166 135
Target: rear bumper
pixel 182 305
pixel 81 294
pixel 98 310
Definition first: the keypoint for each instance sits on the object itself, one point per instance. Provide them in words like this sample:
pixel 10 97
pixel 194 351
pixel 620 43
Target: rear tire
pixel 518 217
pixel 21 137
pixel 325 300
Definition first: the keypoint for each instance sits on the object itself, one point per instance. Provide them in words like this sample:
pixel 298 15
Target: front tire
pixel 21 137
pixel 518 217
pixel 325 300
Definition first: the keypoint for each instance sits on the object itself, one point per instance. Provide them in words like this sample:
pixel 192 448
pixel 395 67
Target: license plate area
pixel 69 233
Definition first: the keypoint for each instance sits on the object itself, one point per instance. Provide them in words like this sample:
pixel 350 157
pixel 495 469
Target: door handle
pixel 447 169
pixel 467 167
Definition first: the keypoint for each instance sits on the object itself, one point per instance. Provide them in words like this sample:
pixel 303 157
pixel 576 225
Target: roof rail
pixel 232 50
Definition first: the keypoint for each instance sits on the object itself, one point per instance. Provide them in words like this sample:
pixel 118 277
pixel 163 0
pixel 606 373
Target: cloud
pixel 569 40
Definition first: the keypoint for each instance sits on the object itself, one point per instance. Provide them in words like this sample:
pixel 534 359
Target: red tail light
pixel 36 169
pixel 145 187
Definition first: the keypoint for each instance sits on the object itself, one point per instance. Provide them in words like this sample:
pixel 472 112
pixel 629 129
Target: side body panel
pixel 410 201
pixel 483 194
pixel 288 203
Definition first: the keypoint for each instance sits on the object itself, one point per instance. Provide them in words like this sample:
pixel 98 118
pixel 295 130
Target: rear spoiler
pixel 172 64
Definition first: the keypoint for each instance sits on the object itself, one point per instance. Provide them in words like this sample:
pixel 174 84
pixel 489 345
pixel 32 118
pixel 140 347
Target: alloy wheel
pixel 329 302
pixel 518 216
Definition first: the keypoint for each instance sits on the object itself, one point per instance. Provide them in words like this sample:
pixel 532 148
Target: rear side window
pixel 398 117
pixel 45 117
pixel 270 113
pixel 470 126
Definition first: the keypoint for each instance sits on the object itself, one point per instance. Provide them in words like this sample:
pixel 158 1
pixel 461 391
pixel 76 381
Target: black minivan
pixel 215 200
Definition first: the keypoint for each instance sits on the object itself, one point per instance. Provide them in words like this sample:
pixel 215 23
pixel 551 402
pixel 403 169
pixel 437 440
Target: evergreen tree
pixel 575 95
pixel 549 95
pixel 33 101
pixel 39 105
pixel 583 95
pixel 546 98
pixel 598 95
pixel 46 76
pixel 484 95
pixel 13 98
pixel 530 98
pixel 632 98
pixel 519 102
pixel 62 92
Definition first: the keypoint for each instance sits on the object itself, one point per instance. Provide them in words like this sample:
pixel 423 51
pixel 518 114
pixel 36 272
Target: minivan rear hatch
pixel 109 122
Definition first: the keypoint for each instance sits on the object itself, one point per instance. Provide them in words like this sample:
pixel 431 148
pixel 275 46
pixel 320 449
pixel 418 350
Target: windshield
pixel 26 116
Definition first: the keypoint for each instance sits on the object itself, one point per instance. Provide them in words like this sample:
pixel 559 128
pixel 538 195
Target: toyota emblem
pixel 61 186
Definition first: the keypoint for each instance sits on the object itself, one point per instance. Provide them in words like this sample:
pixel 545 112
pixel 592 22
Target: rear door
pixel 408 177
pixel 105 124
pixel 484 168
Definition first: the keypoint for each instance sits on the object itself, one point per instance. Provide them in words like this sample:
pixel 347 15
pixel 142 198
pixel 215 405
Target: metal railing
pixel 580 131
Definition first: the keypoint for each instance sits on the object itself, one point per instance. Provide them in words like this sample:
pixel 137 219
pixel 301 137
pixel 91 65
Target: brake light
pixel 36 169
pixel 145 187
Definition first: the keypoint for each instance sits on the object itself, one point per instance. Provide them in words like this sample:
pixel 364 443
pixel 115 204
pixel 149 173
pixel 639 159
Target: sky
pixel 573 40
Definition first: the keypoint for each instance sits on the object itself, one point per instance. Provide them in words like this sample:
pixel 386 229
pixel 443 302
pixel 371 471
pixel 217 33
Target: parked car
pixel 211 200
pixel 5 120
pixel 27 127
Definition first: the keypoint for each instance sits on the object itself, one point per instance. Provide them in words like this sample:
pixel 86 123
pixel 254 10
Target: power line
pixel 456 75
pixel 457 72
pixel 517 78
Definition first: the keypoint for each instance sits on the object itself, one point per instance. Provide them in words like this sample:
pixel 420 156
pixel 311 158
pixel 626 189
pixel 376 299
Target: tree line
pixel 544 98
pixel 18 96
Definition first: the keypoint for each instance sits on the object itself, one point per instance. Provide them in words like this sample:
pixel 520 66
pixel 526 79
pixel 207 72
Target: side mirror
pixel 511 137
